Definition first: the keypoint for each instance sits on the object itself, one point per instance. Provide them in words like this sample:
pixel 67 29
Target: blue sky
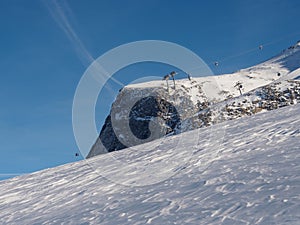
pixel 47 45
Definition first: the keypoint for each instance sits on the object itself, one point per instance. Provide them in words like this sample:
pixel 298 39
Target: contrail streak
pixel 58 13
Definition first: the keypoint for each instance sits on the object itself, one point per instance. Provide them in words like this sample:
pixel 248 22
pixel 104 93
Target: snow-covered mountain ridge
pixel 249 176
pixel 243 171
pixel 202 101
pixel 278 94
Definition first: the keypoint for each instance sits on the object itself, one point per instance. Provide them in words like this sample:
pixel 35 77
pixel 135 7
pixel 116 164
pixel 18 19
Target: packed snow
pixel 245 171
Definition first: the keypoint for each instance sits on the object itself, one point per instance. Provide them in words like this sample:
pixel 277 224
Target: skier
pixel 216 63
pixel 260 47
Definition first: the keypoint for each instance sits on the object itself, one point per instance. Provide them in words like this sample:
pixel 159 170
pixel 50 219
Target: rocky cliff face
pixel 273 96
pixel 143 114
pixel 161 113
pixel 148 111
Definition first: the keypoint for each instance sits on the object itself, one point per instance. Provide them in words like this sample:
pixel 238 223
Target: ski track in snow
pixel 251 177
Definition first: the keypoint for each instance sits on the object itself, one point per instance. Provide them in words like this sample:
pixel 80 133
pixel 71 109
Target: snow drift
pixel 251 176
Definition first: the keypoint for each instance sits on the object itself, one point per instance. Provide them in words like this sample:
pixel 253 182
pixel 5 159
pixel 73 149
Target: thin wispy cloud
pixel 60 11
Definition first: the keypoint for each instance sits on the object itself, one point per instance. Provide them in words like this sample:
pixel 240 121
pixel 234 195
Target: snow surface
pixel 245 171
pixel 216 87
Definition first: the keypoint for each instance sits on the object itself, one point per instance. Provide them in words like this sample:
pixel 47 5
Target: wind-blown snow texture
pixel 252 177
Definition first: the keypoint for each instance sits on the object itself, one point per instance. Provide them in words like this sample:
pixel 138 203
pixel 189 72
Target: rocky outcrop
pixel 143 114
pixel 273 96
pixel 148 111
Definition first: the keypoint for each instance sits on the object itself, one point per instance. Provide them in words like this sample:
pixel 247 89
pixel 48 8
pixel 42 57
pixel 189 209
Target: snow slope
pixel 280 93
pixel 245 171
pixel 218 87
